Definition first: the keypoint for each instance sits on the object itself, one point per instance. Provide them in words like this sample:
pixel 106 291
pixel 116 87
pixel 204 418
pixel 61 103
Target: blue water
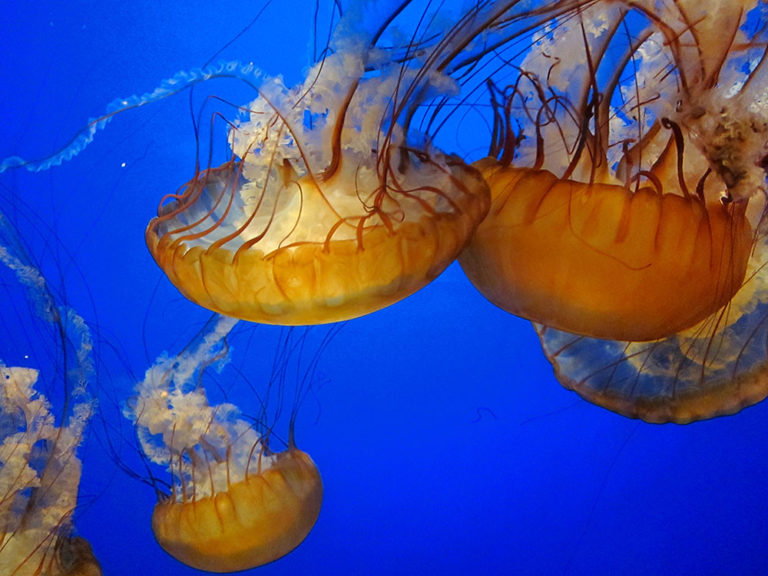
pixel 445 443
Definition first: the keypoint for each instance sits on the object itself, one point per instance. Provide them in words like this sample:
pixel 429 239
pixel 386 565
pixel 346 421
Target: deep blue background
pixel 445 443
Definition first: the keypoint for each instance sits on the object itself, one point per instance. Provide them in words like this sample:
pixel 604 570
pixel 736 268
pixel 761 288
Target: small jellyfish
pixel 40 432
pixel 332 205
pixel 39 479
pixel 234 504
pixel 619 216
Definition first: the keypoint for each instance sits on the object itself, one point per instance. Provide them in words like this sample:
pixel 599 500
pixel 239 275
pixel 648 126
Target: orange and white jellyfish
pixel 630 208
pixel 335 203
pixel 331 207
pixel 234 504
pixel 607 226
pixel 39 468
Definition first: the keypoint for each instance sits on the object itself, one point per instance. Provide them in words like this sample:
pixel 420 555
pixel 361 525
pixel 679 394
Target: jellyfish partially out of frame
pixel 333 205
pixel 234 503
pixel 628 185
pixel 39 468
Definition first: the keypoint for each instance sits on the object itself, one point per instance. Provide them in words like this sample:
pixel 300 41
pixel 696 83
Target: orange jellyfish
pixel 630 225
pixel 619 219
pixel 234 504
pixel 332 206
pixel 335 202
pixel 39 467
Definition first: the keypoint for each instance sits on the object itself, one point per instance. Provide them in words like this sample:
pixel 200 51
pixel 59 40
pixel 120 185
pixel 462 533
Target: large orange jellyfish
pixel 234 504
pixel 39 468
pixel 335 205
pixel 335 202
pixel 634 211
pixel 331 207
pixel 613 227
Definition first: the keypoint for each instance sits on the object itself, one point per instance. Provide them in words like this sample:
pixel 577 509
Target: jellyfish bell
pixel 254 522
pixel 234 503
pixel 329 209
pixel 614 219
pixel 338 267
pixel 600 260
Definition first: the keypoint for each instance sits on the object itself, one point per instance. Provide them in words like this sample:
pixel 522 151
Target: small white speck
pixel 122 165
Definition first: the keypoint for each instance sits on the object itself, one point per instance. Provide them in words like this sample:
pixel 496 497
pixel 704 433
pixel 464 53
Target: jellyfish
pixel 331 206
pixel 335 201
pixel 39 478
pixel 624 215
pixel 629 226
pixel 233 504
pixel 39 467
